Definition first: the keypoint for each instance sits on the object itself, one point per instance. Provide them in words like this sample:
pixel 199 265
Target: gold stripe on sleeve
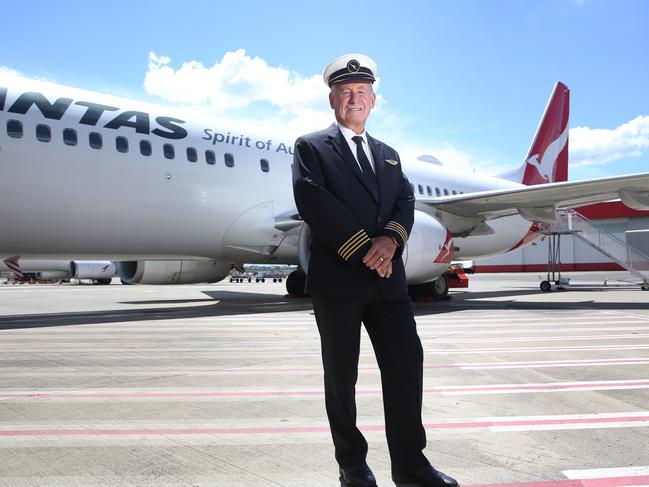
pixel 397 227
pixel 351 241
pixel 355 247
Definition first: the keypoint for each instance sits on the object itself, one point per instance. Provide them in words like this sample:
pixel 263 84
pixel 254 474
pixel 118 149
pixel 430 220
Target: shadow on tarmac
pixel 226 303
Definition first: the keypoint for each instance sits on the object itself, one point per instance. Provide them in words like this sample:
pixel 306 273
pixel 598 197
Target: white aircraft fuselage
pixel 92 176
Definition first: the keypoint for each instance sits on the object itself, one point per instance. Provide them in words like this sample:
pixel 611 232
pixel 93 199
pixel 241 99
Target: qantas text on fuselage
pixel 165 127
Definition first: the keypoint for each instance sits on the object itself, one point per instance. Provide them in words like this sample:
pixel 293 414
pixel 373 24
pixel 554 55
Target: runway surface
pixel 221 385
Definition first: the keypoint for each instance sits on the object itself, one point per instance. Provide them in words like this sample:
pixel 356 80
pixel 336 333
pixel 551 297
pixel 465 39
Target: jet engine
pixel 172 271
pixel 90 269
pixel 429 250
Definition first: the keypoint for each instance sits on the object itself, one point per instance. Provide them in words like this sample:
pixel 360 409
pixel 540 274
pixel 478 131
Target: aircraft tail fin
pixel 547 159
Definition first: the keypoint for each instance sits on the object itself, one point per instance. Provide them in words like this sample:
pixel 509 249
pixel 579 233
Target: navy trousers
pixel 391 327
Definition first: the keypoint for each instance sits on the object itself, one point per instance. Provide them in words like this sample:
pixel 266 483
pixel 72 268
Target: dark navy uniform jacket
pixel 344 213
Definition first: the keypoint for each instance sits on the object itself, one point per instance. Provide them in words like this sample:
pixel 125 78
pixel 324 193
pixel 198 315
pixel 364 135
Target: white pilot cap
pixel 350 67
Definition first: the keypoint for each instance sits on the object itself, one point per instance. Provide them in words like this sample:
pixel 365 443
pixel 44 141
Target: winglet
pixel 547 159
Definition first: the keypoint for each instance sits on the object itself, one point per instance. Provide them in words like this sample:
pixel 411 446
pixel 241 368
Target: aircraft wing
pixel 537 203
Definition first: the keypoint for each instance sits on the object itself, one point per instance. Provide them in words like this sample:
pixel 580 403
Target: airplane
pixel 99 272
pixel 176 197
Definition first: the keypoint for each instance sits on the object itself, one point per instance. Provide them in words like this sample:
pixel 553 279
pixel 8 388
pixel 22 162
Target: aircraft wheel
pixel 439 287
pixel 546 286
pixel 296 283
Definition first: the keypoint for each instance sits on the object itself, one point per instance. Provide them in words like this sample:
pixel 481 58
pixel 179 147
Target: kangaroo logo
pixel 446 252
pixel 545 166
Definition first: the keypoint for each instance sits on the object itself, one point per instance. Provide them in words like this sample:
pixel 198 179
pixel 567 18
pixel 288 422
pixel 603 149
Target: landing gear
pixel 546 286
pixel 296 284
pixel 436 290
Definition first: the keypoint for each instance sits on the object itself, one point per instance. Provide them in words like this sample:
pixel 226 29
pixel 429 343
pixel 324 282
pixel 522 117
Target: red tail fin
pixel 547 159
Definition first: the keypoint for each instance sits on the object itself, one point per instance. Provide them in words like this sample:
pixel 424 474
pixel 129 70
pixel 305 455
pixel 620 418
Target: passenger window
pixel 429 190
pixel 169 151
pixel 265 166
pixel 14 129
pixel 421 189
pixel 454 192
pixel 94 138
pixel 438 192
pixel 445 192
pixel 210 158
pixel 121 144
pixel 192 155
pixel 69 137
pixel 43 132
pixel 145 147
pixel 229 160
pixel 412 187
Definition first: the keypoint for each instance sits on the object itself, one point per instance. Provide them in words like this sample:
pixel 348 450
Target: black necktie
pixel 368 173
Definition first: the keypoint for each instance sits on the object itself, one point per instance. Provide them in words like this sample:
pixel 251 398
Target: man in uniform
pixel 350 190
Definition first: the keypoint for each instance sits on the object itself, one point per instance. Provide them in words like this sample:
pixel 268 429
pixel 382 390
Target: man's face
pixel 352 103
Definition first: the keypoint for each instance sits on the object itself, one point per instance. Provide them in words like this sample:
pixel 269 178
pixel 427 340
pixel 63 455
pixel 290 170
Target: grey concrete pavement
pixel 220 385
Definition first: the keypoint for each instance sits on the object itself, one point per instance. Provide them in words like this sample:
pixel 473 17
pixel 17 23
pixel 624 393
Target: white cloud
pixel 590 146
pixel 243 86
pixel 7 71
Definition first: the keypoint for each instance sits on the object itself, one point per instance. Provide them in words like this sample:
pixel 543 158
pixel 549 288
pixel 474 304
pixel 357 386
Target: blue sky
pixel 465 81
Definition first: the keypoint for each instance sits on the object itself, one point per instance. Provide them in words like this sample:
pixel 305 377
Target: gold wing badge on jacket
pixel 392 162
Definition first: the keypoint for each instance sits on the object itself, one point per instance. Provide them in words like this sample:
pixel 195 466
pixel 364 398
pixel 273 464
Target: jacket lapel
pixel 341 147
pixel 379 161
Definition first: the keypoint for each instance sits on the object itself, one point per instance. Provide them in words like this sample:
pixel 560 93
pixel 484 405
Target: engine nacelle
pixel 429 250
pixel 172 271
pixel 90 269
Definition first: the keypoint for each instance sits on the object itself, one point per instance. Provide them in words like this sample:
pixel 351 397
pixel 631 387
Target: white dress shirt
pixel 348 134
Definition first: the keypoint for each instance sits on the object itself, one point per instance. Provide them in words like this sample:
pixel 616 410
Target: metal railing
pixel 617 249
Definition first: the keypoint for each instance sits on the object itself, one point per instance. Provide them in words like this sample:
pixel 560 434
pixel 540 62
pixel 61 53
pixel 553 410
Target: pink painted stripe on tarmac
pixel 543 363
pixel 601 482
pixel 313 429
pixel 533 349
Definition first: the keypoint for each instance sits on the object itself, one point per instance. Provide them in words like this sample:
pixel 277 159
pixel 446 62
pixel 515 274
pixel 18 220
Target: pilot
pixel 349 188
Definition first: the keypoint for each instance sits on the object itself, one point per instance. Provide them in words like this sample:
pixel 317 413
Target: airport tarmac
pixel 220 385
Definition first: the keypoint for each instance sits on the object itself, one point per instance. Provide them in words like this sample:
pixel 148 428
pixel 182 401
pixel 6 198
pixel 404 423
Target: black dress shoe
pixel 358 476
pixel 425 477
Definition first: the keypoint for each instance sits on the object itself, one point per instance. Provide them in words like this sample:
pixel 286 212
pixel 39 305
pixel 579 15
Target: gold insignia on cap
pixel 353 66
pixel 392 162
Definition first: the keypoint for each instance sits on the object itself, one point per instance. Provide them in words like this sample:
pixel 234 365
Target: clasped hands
pixel 379 257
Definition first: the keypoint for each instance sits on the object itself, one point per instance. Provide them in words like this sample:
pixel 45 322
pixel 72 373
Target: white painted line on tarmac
pixel 600 473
